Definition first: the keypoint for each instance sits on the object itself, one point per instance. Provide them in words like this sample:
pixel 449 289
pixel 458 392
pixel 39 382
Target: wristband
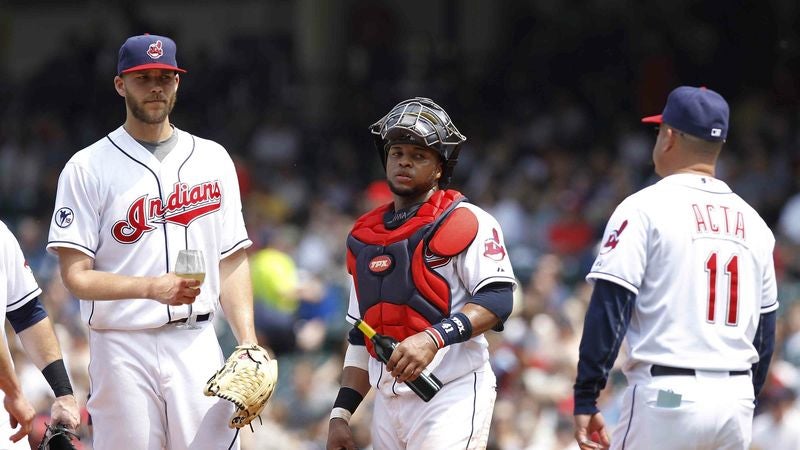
pixel 56 375
pixel 341 413
pixel 346 403
pixel 433 335
pixel 452 330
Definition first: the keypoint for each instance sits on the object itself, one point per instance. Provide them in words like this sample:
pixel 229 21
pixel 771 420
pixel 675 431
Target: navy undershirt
pixel 27 315
pixel 606 323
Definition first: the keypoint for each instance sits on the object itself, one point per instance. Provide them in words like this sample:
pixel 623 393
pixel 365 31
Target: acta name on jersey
pixel 719 219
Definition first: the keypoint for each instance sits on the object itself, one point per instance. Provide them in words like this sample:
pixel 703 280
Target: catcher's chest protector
pixel 398 291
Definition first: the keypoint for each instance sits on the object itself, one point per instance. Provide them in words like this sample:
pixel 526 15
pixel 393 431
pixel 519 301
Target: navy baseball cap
pixel 698 111
pixel 147 51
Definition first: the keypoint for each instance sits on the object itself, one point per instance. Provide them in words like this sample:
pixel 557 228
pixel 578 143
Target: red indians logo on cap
pixel 492 248
pixel 155 50
pixel 182 207
pixel 613 238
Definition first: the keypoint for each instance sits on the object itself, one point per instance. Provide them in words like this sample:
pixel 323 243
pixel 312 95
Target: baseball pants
pixel 710 410
pixel 147 390
pixel 458 417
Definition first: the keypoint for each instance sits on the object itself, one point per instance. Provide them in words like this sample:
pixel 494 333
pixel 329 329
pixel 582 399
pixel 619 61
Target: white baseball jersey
pixel 119 204
pixel 485 261
pixel 699 260
pixel 132 213
pixel 17 285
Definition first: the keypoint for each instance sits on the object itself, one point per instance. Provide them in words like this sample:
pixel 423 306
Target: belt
pixel 200 318
pixel 657 371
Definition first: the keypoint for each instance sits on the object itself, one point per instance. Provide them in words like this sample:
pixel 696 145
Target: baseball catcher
pixel 247 380
pixel 57 437
pixel 429 270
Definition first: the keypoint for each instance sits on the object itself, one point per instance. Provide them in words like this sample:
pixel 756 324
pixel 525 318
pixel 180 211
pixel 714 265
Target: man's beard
pixel 151 118
pixel 410 192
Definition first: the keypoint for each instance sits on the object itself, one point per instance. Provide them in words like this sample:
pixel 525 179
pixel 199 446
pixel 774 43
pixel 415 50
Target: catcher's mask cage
pixel 420 121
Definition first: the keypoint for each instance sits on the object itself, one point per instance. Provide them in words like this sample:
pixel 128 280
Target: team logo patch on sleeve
pixel 64 217
pixel 493 248
pixel 613 238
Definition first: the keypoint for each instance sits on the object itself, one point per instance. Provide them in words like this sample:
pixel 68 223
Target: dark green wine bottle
pixel 426 385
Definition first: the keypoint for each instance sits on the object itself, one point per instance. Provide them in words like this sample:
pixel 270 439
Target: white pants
pixel 707 411
pixel 147 390
pixel 457 417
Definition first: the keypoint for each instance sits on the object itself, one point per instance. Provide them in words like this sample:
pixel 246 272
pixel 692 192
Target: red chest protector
pixel 399 293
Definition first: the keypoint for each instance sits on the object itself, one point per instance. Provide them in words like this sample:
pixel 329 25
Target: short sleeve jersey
pixel 132 213
pixel 17 284
pixel 699 260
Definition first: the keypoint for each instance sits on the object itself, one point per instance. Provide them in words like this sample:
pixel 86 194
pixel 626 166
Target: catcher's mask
pixel 420 121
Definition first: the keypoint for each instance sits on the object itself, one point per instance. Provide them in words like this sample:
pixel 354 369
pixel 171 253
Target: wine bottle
pixel 426 385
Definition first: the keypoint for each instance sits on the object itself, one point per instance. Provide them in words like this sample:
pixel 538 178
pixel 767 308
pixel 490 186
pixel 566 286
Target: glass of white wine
pixel 191 265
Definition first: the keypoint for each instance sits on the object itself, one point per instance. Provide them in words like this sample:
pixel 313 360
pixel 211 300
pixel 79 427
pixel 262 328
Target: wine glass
pixel 190 265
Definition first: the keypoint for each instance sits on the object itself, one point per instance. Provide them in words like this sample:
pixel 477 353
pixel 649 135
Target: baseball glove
pixel 57 437
pixel 247 380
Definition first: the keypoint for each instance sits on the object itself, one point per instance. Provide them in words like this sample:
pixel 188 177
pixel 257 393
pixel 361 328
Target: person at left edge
pixel 124 208
pixel 19 292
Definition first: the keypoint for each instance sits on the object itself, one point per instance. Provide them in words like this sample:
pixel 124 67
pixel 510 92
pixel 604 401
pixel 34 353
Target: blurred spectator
pixel 778 427
pixel 292 306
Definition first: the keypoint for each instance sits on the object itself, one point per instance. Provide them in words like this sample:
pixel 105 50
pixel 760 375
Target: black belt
pixel 200 318
pixel 657 371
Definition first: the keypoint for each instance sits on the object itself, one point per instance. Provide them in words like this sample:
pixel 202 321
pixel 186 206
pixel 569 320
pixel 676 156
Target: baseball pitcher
pixel 126 207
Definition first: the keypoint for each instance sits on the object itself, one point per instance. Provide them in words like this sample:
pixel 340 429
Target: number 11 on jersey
pixel 732 289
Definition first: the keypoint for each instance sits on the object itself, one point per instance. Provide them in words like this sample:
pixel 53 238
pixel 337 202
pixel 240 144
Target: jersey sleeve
pixel 622 255
pixel 21 286
pixel 486 259
pixel 352 305
pixel 235 235
pixel 76 219
pixel 354 337
pixel 769 289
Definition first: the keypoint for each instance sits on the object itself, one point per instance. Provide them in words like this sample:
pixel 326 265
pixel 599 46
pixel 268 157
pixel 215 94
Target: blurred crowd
pixel 554 144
